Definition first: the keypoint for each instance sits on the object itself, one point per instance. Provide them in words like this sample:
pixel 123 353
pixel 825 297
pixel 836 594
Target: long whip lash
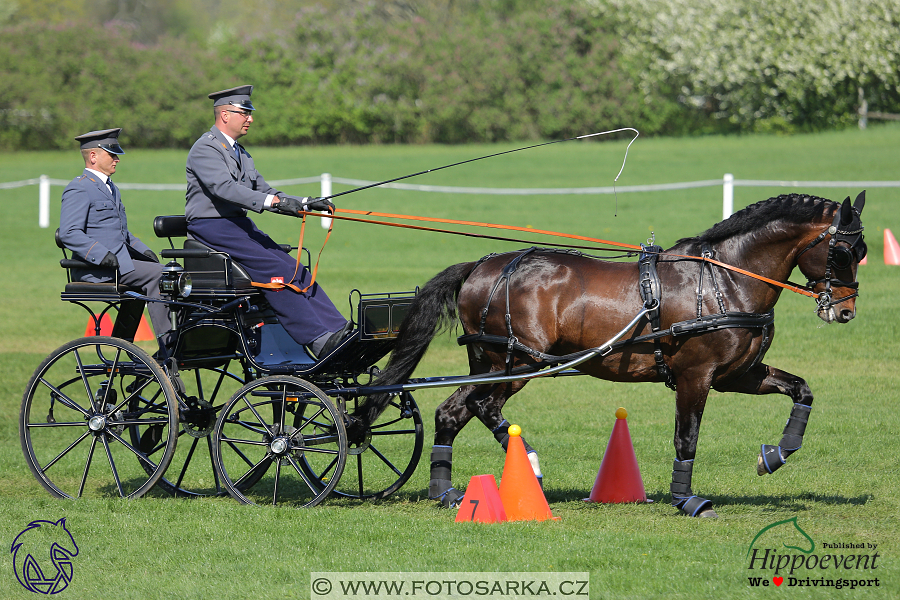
pixel 456 164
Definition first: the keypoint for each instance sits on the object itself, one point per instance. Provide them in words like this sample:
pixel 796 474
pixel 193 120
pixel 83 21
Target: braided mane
pixel 792 208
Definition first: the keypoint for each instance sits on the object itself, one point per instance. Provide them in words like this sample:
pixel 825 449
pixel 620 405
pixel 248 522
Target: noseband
pixel 839 257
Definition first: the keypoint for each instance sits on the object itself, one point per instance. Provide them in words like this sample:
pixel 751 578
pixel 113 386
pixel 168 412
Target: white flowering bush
pixel 764 64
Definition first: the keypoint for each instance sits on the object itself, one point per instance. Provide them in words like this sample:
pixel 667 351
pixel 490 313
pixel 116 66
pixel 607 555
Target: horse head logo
pixel 30 549
pixel 787 533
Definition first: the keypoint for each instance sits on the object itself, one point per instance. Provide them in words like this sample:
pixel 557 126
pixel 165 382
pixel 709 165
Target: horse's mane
pixel 792 208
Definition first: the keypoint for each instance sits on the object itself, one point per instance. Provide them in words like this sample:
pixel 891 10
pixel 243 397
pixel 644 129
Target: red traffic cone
pixel 106 326
pixel 619 479
pixel 521 494
pixel 891 249
pixel 481 502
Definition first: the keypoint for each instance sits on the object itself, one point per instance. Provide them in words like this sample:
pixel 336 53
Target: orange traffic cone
pixel 891 249
pixel 481 502
pixel 619 479
pixel 521 494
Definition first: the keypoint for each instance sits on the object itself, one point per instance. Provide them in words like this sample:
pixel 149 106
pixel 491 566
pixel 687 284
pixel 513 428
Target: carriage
pixel 240 408
pixel 236 399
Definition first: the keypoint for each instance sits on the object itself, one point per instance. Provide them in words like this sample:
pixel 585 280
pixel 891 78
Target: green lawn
pixel 842 487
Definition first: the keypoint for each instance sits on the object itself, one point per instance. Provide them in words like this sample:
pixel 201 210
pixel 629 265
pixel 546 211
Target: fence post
pixel 326 191
pixel 727 196
pixel 44 202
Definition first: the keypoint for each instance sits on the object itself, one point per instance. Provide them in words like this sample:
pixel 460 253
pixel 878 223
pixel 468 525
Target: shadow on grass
pixel 798 501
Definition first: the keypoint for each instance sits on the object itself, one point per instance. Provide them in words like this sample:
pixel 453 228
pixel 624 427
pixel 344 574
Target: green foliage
pixel 514 71
pixel 65 80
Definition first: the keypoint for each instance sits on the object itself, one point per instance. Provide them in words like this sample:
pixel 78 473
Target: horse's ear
pixel 860 202
pixel 846 212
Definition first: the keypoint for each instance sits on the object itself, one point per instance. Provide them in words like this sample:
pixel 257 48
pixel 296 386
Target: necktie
pixel 237 152
pixel 112 188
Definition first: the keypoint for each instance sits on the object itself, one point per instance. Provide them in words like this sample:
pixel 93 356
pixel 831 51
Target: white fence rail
pixel 325 180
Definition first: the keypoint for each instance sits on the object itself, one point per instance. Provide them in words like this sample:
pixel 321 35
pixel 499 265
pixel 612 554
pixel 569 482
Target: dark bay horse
pixel 542 306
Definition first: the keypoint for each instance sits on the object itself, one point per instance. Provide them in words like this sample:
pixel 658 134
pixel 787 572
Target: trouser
pixel 305 316
pixel 146 276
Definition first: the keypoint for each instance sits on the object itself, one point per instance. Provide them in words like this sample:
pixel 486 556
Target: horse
pixel 707 323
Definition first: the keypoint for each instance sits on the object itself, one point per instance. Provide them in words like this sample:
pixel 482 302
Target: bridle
pixel 839 258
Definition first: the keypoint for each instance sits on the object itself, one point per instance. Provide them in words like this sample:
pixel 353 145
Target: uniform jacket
pixel 218 185
pixel 92 222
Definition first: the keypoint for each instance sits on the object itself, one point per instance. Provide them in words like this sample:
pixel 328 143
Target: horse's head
pixel 831 268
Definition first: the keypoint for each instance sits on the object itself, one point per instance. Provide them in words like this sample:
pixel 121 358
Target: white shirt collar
pixel 103 176
pixel 230 141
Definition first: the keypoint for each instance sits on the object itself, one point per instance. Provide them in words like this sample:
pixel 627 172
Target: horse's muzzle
pixel 836 312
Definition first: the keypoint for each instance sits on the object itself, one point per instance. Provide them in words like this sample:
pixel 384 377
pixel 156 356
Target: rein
pixel 787 286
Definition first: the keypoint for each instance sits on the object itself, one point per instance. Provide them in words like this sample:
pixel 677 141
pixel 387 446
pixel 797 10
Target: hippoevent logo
pixel 42 556
pixel 783 554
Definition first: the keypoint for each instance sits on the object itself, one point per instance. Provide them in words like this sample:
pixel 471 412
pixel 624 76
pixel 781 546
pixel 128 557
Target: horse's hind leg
pixel 764 379
pixel 488 410
pixel 449 418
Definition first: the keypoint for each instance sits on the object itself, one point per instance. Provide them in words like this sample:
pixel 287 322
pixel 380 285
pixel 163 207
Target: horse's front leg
pixel 764 379
pixel 690 400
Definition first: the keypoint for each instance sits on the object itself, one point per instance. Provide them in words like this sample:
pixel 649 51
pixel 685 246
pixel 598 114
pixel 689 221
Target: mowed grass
pixel 842 486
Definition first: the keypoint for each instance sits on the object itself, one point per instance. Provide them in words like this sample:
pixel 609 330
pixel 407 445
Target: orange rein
pixel 788 286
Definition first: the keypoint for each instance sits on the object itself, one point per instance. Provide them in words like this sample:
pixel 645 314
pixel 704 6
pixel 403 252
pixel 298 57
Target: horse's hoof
pixel 760 465
pixel 708 514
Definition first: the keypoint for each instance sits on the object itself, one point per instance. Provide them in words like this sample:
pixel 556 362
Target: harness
pixel 650 290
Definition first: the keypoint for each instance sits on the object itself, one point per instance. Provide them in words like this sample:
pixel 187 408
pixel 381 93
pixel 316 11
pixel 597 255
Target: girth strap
pixel 651 294
pixel 505 275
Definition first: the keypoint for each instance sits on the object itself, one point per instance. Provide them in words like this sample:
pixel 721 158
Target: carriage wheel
pixel 383 458
pixel 202 393
pixel 278 429
pixel 75 412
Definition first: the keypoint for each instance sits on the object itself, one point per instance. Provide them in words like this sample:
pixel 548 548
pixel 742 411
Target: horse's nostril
pixel 847 314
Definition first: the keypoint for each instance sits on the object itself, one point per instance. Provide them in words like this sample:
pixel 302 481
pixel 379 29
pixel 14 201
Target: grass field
pixel 842 487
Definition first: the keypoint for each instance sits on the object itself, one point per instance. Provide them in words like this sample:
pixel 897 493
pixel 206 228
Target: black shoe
pixel 336 338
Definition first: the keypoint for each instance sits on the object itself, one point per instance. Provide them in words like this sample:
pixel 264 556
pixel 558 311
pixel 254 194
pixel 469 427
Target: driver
pixel 222 185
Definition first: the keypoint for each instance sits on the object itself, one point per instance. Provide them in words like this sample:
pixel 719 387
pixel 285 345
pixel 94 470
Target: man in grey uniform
pixel 222 185
pixel 93 225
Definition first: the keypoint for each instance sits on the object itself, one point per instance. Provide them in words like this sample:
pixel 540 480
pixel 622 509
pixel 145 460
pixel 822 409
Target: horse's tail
pixel 433 310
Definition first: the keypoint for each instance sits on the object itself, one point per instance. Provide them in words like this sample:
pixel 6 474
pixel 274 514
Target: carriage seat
pixel 213 273
pixel 110 291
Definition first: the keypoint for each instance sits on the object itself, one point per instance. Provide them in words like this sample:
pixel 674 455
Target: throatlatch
pixel 440 487
pixel 773 457
pixel 682 496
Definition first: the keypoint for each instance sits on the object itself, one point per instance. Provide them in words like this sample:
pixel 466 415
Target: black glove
pixel 321 204
pixel 110 261
pixel 151 255
pixel 288 205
